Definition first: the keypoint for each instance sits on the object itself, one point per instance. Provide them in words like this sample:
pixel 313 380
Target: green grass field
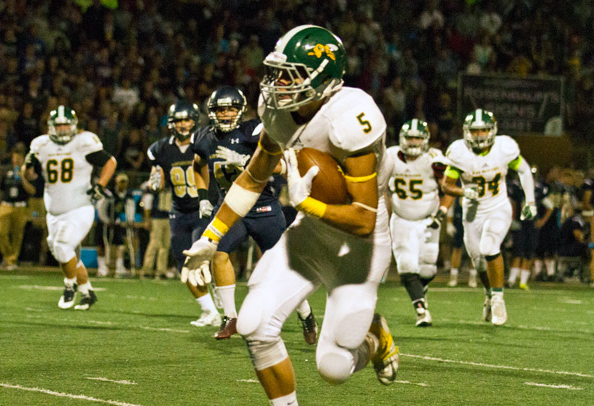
pixel 136 347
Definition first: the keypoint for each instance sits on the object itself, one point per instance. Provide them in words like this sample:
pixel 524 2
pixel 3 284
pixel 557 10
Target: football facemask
pixel 414 137
pixel 480 129
pixel 226 106
pixel 62 125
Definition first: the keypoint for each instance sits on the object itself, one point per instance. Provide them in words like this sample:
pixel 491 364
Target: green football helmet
pixel 307 64
pixel 66 119
pixel 479 119
pixel 414 137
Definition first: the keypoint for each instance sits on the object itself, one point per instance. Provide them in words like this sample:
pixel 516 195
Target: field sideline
pixel 136 347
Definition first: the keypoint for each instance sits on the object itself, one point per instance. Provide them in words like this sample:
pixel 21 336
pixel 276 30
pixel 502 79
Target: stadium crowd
pixel 121 68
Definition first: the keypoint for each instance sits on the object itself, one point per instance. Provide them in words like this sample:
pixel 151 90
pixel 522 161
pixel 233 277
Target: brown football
pixel 329 185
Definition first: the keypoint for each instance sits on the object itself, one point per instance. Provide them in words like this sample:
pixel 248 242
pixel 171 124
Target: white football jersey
pixel 486 172
pixel 66 171
pixel 348 123
pixel 413 186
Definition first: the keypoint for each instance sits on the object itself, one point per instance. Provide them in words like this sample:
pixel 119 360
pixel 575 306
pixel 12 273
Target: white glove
pixel 155 179
pixel 438 218
pixel 471 193
pixel 197 277
pixel 528 212
pixel 195 269
pixel 299 187
pixel 231 157
pixel 205 210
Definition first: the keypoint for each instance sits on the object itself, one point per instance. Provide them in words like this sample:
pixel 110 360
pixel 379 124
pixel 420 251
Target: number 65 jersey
pixel 66 171
pixel 414 184
pixel 484 171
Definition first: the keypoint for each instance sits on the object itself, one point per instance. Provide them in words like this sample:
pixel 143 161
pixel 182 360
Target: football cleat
pixel 487 309
pixel 472 281
pixel 207 318
pixel 423 318
pixel 385 359
pixel 310 328
pixel 453 282
pixel 499 314
pixel 86 301
pixel 227 329
pixel 68 296
pixel 524 286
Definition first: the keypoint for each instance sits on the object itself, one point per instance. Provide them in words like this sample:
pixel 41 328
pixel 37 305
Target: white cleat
pixel 453 282
pixel 207 318
pixel 68 297
pixel 499 314
pixel 423 318
pixel 472 281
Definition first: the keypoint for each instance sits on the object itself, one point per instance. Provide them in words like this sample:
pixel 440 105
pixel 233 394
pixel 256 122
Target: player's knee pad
pixel 265 354
pixel 490 243
pixel 351 329
pixel 430 254
pixel 407 263
pixel 62 248
pixel 428 271
pixel 250 315
pixel 335 367
pixel 62 252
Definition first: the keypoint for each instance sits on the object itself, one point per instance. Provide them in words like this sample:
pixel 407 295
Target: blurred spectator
pixel 132 149
pixel 26 126
pixel 156 217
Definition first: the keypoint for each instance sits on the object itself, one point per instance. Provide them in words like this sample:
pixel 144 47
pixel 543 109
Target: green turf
pixel 139 333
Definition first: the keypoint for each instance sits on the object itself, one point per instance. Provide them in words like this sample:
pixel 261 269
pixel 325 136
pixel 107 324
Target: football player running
pixel 417 212
pixel 226 148
pixel 344 247
pixel 66 160
pixel 481 160
pixel 172 159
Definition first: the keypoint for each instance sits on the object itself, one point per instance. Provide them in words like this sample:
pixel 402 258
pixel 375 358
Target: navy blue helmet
pixel 181 111
pixel 226 96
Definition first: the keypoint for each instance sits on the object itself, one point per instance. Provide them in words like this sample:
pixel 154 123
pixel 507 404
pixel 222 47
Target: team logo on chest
pixel 234 141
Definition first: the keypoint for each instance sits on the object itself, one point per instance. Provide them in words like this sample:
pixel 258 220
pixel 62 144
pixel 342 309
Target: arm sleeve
pixel 452 172
pixel 526 180
pixel 98 158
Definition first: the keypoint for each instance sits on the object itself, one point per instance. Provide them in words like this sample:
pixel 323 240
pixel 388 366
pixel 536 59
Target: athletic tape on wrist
pixel 240 200
pixel 312 207
pixel 216 230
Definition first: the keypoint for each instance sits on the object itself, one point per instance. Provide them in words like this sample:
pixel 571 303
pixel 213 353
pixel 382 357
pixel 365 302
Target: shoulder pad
pixel 38 143
pixel 455 154
pixel 508 146
pixel 356 121
pixel 89 142
pixel 436 155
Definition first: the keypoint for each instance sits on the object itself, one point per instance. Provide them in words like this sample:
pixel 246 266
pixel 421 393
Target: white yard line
pixel 542 385
pixel 412 383
pixel 525 327
pixel 495 366
pixel 67 395
pixel 102 379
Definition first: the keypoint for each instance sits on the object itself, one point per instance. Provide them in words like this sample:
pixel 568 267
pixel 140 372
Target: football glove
pixel 155 179
pixel 195 267
pixel 471 193
pixel 197 277
pixel 96 193
pixel 231 157
pixel 528 212
pixel 205 210
pixel 299 187
pixel 438 217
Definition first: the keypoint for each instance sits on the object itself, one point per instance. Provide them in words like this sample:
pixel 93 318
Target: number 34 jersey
pixel 66 171
pixel 176 163
pixel 413 185
pixel 484 171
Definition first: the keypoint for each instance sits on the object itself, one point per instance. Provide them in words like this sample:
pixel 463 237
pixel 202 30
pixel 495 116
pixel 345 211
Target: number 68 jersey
pixel 486 171
pixel 66 171
pixel 414 184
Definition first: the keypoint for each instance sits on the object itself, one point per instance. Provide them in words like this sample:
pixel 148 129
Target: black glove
pixel 438 217
pixel 96 193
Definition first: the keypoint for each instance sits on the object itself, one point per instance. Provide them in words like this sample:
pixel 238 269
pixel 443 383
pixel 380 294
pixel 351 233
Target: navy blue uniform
pixel 548 235
pixel 265 222
pixel 523 239
pixel 184 219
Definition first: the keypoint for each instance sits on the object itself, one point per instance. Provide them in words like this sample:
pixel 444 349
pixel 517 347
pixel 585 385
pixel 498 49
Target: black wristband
pixel 202 194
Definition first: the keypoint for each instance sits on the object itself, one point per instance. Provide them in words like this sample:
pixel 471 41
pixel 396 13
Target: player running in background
pixel 345 248
pixel 172 159
pixel 66 160
pixel 417 212
pixel 226 147
pixel 481 161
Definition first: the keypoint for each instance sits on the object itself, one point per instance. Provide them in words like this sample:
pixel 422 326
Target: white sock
pixel 537 267
pixel 227 295
pixel 119 263
pixel 500 294
pixel 84 288
pixel 550 264
pixel 101 262
pixel 206 303
pixel 454 272
pixel 304 309
pixel 524 276
pixel 290 399
pixel 472 272
pixel 69 281
pixel 513 275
